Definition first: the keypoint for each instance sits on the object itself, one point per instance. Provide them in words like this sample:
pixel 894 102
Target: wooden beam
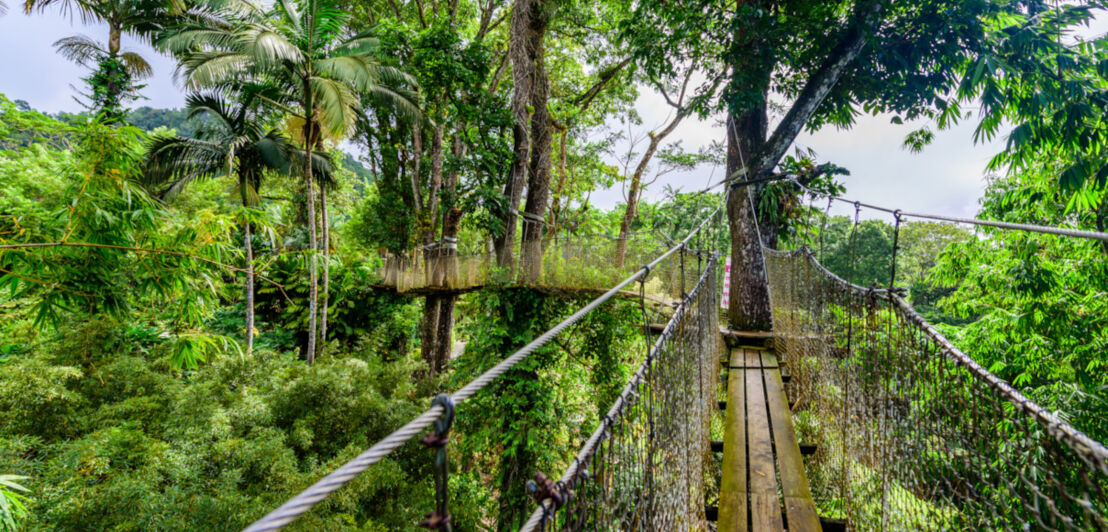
pixel 733 493
pixel 799 507
pixel 765 505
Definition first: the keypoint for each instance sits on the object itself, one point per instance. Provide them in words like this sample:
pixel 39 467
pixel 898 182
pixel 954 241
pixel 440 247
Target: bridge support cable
pixel 1031 228
pixel 311 496
pixel 644 467
pixel 913 434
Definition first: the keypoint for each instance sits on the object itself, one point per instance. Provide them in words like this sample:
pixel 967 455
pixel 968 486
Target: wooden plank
pixel 765 506
pixel 765 512
pixel 802 515
pixel 733 494
pixel 799 508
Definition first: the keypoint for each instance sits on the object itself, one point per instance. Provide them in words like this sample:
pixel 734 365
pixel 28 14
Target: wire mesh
pixel 911 433
pixel 645 466
pixel 571 262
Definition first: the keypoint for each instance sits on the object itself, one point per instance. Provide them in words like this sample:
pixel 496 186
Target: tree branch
pixel 812 95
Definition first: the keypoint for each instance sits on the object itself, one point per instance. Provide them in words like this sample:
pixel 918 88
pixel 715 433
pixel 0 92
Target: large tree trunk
pixel 428 332
pixel 749 306
pixel 436 182
pixel 520 55
pixel 438 310
pixel 249 289
pixel 538 183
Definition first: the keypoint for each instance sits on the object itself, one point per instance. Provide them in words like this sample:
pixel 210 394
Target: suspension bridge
pixel 852 413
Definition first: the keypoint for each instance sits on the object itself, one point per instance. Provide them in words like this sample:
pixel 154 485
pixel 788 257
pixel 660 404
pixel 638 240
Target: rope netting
pixel 912 434
pixel 645 466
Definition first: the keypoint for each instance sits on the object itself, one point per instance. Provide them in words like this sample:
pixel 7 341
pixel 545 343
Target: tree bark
pixel 520 54
pixel 538 183
pixel 115 34
pixel 249 288
pixel 428 332
pixel 556 206
pixel 749 306
pixel 313 290
pixel 326 268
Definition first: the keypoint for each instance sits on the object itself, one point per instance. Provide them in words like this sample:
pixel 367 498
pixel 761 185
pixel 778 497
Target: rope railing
pixel 913 434
pixel 311 496
pixel 1033 228
pixel 644 466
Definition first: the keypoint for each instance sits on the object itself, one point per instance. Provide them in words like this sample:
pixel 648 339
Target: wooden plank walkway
pixel 763 486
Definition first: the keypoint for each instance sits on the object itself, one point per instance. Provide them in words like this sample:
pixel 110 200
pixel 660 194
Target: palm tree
pixel 231 143
pixel 300 47
pixel 138 18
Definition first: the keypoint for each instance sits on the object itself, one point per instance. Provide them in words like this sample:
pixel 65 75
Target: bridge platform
pixel 764 487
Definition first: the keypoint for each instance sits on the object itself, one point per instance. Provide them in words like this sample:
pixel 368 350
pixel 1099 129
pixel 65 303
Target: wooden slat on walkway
pixel 764 486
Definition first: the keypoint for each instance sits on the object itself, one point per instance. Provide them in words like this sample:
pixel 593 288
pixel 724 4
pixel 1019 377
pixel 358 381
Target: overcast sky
pixel 946 178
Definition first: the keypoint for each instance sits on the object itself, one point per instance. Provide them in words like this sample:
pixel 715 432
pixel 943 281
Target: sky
pixel 946 178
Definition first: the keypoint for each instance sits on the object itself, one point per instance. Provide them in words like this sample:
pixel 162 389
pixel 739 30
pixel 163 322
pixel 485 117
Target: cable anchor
pixel 440 518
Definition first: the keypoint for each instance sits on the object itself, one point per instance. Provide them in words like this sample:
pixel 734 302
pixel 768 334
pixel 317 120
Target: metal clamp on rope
pixel 542 488
pixel 440 518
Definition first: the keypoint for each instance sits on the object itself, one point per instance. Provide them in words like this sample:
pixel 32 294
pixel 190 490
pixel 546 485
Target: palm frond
pixel 172 163
pixel 211 105
pixel 266 47
pixel 136 65
pixel 402 101
pixel 336 105
pixel 80 49
pixel 210 68
pixel 88 12
pixel 290 10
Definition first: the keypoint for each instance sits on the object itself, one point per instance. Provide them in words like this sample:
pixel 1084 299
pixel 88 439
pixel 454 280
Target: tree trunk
pixel 749 306
pixel 249 289
pixel 436 182
pixel 520 54
pixel 428 332
pixel 326 268
pixel 538 184
pixel 313 290
pixel 749 298
pixel 556 206
pixel 115 34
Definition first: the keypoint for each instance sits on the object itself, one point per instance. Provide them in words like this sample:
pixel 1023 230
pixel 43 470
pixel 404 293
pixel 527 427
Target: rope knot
pixel 542 488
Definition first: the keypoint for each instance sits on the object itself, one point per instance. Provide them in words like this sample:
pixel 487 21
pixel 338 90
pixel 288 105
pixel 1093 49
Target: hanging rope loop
pixel 896 246
pixel 440 518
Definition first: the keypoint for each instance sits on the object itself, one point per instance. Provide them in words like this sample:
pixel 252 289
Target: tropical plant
pixel 300 50
pixel 116 69
pixel 232 143
pixel 11 502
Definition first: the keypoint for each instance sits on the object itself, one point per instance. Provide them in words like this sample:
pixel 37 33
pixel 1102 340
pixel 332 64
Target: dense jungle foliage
pixel 197 319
